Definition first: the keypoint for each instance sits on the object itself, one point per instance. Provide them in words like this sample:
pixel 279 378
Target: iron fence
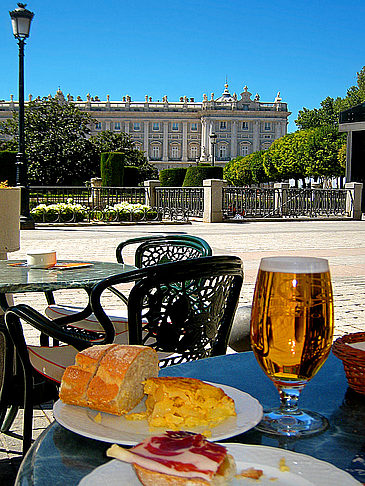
pixel 246 202
pixel 180 202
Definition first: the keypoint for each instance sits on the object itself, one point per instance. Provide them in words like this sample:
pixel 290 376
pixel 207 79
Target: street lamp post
pixel 213 141
pixel 21 19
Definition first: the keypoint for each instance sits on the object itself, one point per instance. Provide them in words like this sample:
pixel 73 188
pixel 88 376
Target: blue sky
pixel 307 50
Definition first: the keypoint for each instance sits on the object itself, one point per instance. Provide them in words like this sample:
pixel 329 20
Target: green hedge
pixel 195 175
pixel 112 168
pixel 8 167
pixel 172 177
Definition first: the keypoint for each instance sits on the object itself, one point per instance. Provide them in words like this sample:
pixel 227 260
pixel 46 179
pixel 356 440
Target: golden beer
pixel 292 318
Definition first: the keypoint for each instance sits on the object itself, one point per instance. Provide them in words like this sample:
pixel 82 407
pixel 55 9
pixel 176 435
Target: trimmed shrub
pixel 131 176
pixel 8 167
pixel 112 168
pixel 195 175
pixel 172 177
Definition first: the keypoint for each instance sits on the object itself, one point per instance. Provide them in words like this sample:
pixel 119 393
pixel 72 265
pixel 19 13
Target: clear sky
pixel 306 49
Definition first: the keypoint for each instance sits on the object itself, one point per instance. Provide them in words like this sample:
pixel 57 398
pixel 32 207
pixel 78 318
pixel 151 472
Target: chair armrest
pixel 80 339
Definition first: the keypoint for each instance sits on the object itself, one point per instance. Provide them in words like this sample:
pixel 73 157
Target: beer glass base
pixel 302 423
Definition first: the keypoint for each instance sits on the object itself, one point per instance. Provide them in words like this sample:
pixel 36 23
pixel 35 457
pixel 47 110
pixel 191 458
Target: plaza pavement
pixel 341 242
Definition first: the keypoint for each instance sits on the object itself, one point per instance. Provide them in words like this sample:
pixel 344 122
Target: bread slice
pixel 223 476
pixel 117 385
pixel 76 378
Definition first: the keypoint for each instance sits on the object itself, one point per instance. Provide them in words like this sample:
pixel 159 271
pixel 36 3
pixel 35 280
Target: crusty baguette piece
pixel 117 385
pixel 76 378
pixel 224 475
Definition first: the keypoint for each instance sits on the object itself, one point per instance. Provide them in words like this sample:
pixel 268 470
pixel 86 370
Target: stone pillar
pixel 165 147
pixel 145 139
pixel 213 200
pixel 185 142
pixel 151 192
pixel 126 127
pixel 95 184
pixel 234 139
pixel 281 198
pixel 353 199
pixel 9 226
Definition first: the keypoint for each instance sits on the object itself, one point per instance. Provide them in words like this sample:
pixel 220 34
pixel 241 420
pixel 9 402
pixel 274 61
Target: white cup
pixel 41 258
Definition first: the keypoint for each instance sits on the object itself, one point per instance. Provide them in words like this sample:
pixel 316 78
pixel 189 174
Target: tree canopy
pixel 305 153
pixel 58 145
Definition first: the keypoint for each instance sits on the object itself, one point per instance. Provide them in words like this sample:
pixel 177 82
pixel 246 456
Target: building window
pixel 175 126
pixel 136 126
pixel 223 125
pixel 194 127
pixel 244 150
pixel 137 146
pixel 156 152
pixel 223 152
pixel 117 126
pixel 155 126
pixel 244 125
pixel 98 126
pixel 267 126
pixel 267 136
pixel 175 151
pixel 194 152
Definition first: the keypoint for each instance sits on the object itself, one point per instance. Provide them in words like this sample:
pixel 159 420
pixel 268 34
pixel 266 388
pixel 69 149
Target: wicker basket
pixel 353 360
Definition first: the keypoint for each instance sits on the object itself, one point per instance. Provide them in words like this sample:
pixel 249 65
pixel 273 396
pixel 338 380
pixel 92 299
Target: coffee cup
pixel 41 258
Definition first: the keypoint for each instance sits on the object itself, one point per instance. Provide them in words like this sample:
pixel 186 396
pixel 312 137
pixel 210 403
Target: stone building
pixel 178 134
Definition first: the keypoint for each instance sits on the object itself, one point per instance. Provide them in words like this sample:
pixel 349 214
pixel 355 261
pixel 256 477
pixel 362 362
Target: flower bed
pixel 70 213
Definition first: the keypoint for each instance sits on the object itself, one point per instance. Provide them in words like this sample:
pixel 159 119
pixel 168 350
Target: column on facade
pixel 145 138
pixel 256 136
pixel 185 142
pixel 203 147
pixel 234 139
pixel 278 130
pixel 165 153
pixel 126 127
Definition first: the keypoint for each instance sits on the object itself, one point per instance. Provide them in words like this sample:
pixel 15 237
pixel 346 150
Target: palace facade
pixel 178 134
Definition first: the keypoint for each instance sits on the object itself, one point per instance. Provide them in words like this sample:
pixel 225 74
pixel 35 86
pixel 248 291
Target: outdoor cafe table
pixel 60 457
pixel 17 279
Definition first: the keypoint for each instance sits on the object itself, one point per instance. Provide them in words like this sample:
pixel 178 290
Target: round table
pixel 60 457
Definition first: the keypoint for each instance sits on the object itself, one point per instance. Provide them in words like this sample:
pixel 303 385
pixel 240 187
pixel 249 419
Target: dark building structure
pixel 352 121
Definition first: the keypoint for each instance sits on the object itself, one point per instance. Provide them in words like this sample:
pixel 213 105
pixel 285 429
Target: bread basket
pixel 353 360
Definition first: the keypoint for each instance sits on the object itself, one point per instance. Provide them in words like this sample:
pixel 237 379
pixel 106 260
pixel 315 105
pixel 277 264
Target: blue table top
pixel 62 457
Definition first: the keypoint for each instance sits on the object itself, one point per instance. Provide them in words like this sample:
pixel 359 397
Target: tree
pixel 247 170
pixel 56 144
pixel 324 144
pixel 108 141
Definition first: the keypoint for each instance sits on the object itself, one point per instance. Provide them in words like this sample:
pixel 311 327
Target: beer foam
pixel 288 264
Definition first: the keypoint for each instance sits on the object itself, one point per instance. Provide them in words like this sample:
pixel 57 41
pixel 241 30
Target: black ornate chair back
pixel 154 250
pixel 184 308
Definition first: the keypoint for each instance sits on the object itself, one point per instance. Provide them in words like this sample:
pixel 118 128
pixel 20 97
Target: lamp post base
pixel 26 222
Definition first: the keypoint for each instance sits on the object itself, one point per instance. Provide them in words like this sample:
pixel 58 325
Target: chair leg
pixel 9 418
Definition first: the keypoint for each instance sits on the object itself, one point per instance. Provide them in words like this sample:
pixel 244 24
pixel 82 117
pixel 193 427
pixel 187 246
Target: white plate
pixel 304 470
pixel 121 431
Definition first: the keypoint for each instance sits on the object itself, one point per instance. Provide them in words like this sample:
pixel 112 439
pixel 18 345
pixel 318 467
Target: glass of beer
pixel 291 335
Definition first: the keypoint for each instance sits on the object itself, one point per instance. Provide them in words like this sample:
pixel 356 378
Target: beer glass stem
pixel 289 397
